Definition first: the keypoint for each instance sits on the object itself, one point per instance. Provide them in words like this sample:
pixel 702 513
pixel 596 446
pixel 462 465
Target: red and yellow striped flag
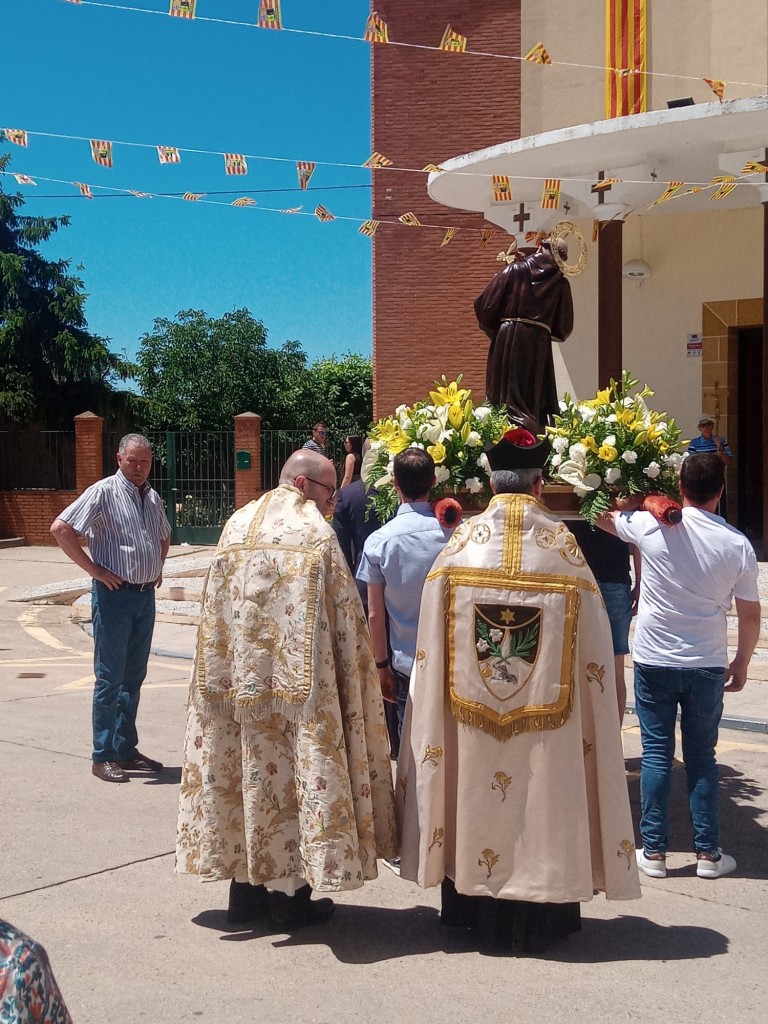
pixel 192 197
pixel 753 167
pixel 486 235
pixel 595 230
pixel 85 190
pixel 448 236
pixel 182 8
pixel 140 195
pixel 101 152
pixel 432 169
pixel 369 227
pixel 292 209
pixel 16 135
pixel 24 179
pixel 535 237
pixel 244 201
pixel 538 55
pixel 727 184
pixel 669 191
pixel 550 194
pixel 717 87
pixel 377 160
pixel 453 42
pixel 626 89
pixel 322 214
pixel 409 219
pixel 605 183
pixel 376 30
pixel 235 163
pixel 168 155
pixel 269 14
pixel 304 169
pixel 501 188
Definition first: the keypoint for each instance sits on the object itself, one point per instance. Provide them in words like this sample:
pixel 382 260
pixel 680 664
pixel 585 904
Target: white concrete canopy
pixel 691 144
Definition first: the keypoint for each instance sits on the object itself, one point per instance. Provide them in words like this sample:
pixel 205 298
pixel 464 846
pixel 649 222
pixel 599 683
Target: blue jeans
pixel 699 692
pixel 123 621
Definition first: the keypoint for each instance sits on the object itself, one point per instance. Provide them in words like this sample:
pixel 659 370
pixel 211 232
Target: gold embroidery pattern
pixel 459 540
pixel 488 860
pixel 563 540
pixel 545 538
pixel 432 755
pixel 437 839
pixel 587 746
pixel 626 849
pixel 595 674
pixel 481 534
pixel 421 657
pixel 502 782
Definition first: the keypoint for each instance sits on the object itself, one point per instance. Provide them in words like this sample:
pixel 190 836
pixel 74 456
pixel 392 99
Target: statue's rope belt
pixel 523 320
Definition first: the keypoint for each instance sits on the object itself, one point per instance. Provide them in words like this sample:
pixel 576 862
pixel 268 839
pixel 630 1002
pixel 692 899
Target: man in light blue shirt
pixel 395 563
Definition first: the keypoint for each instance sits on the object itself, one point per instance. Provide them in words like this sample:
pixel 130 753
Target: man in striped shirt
pixel 128 535
pixel 317 443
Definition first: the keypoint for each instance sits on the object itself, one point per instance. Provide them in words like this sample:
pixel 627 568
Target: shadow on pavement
pixel 167 777
pixel 637 938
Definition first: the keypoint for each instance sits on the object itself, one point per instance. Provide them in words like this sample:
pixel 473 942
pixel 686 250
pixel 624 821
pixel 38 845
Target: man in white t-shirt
pixel 690 575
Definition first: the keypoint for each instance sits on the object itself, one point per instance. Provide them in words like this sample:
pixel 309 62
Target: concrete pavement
pixel 87 868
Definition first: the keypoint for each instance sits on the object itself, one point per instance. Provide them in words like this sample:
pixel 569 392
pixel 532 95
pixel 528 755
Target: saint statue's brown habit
pixel 525 307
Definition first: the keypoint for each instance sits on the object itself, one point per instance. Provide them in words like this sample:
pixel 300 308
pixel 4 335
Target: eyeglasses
pixel 322 433
pixel 326 486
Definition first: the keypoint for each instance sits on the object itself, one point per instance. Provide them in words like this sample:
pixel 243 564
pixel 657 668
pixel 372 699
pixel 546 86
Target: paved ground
pixel 87 868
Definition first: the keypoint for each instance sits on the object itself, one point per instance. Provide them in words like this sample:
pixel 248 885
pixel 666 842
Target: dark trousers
pixel 123 621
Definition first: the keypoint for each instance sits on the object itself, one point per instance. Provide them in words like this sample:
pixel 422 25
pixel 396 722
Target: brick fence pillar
pixel 247 439
pixel 89 450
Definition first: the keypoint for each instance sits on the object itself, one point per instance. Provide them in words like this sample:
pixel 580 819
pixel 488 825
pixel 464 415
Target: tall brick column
pixel 89 450
pixel 248 439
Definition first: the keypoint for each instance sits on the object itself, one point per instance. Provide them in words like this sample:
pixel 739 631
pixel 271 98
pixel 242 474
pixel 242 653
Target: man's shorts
pixel 618 604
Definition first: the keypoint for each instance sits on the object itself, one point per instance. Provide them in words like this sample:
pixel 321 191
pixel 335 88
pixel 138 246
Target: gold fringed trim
pixel 539 722
pixel 251 712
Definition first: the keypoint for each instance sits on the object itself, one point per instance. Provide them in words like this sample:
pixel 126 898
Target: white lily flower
pixel 662 426
pixel 474 485
pixel 629 457
pixel 415 444
pixel 406 422
pixel 484 464
pixel 400 409
pixel 482 646
pixel 571 471
pixel 652 470
pixel 432 431
pixel 562 405
pixel 473 440
pixel 497 635
pixel 590 483
pixel 613 418
pixel 675 460
pixel 612 475
pixel 441 474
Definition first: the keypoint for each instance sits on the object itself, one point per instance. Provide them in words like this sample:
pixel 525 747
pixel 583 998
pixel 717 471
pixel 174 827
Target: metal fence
pixel 277 445
pixel 32 459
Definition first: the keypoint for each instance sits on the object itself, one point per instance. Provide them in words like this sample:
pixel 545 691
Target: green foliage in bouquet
pixel 451 428
pixel 614 444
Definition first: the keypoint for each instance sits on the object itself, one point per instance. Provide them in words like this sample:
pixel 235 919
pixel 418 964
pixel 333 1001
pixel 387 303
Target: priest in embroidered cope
pixel 286 776
pixel 511 780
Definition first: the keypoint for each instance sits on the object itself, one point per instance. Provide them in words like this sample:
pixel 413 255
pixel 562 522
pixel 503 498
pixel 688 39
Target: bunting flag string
pixel 717 87
pixel 305 169
pixel 432 169
pixel 550 196
pixel 669 191
pixel 369 227
pixel 410 219
pixel 193 197
pixel 453 42
pixel 606 183
pixel 24 179
pixel 753 167
pixel 376 160
pixel 85 190
pixel 727 183
pixel 244 201
pixel 595 230
pixel 322 214
pixel 168 155
pixel 140 195
pixel 235 163
pixel 501 188
pixel 17 136
pixel 269 14
pixel 486 235
pixel 376 31
pixel 448 236
pixel 292 209
pixel 101 152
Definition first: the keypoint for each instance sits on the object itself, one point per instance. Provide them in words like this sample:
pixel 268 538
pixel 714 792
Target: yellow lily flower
pixel 455 415
pixel 589 443
pixel 438 452
pixel 608 453
pixel 448 394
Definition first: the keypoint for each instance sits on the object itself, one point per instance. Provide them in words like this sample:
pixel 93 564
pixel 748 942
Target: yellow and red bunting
pixel 501 189
pixel 168 155
pixel 244 201
pixel 453 42
pixel 410 220
pixel 550 194
pixel 17 136
pixel 292 209
pixel 692 191
pixel 85 190
pixel 753 167
pixel 24 179
pixel 727 184
pixel 595 230
pixel 535 237
pixel 448 236
pixel 538 55
pixel 269 14
pixel 377 160
pixel 140 195
pixel 101 151
pixel 182 8
pixel 369 228
pixel 376 30
pixel 717 87
pixel 305 169
pixel 486 235
pixel 669 191
pixel 192 197
pixel 432 169
pixel 323 214
pixel 604 183
pixel 235 163
pixel 626 88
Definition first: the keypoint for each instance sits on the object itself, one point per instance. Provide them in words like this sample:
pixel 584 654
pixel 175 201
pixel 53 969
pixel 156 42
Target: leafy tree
pixel 51 366
pixel 339 391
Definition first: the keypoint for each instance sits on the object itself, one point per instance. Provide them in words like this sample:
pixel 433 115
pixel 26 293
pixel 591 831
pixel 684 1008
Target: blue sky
pixel 105 73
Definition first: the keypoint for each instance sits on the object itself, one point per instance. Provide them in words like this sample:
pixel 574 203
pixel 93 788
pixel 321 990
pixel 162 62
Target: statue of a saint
pixel 524 308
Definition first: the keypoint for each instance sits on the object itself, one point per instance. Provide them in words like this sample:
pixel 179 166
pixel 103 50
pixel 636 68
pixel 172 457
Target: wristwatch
pixel 383 664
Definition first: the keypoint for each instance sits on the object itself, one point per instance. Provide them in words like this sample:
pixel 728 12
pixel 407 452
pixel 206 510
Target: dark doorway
pixel 750 420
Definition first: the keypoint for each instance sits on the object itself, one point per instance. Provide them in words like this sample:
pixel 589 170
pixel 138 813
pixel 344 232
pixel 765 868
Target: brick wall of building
pixel 426 107
pixel 29 514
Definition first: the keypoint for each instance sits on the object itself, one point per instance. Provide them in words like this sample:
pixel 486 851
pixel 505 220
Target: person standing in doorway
pixel 708 441
pixel 128 535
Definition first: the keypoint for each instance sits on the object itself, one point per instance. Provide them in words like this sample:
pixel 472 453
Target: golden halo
pixel 559 233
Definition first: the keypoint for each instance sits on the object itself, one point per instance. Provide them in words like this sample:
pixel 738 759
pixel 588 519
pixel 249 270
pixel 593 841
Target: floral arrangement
pixel 614 444
pixel 451 428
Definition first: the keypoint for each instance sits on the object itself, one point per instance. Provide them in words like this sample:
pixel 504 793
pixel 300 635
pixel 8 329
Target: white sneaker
pixel 706 868
pixel 652 867
pixel 393 864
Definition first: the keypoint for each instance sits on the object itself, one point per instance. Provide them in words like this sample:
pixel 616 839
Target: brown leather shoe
pixel 109 771
pixel 140 763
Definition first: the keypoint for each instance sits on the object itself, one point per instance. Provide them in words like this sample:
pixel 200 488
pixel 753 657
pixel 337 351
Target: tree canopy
pixel 51 366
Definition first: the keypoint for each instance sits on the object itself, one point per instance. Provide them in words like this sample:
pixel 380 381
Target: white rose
pixel 587 413
pixel 612 475
pixel 577 452
pixel 629 457
pixel 613 418
pixel 415 444
pixel 484 464
pixel 560 444
pixel 473 440
pixel 497 635
pixel 555 460
pixel 562 405
pixel 474 485
pixel 611 440
pixel 482 412
pixel 441 474
pixel 652 470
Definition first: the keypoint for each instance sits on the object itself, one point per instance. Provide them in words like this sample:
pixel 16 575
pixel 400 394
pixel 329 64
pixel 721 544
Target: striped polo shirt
pixel 124 528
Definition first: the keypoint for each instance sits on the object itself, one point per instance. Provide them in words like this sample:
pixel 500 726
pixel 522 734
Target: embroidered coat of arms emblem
pixel 507 641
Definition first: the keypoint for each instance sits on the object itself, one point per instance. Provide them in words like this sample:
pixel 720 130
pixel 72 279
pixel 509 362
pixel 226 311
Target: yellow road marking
pixel 28 622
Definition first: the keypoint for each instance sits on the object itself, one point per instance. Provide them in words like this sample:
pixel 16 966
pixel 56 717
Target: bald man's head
pixel 313 474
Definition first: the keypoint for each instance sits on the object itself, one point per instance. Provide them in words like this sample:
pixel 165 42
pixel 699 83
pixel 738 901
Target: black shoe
pixel 299 911
pixel 246 902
